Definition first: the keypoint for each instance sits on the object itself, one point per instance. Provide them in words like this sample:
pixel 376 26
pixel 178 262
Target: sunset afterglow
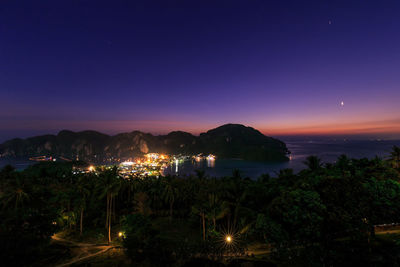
pixel 323 70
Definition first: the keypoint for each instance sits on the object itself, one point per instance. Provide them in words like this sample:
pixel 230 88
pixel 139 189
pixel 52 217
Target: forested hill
pixel 227 141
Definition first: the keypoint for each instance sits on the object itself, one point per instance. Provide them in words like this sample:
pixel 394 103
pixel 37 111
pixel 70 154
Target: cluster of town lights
pixel 151 164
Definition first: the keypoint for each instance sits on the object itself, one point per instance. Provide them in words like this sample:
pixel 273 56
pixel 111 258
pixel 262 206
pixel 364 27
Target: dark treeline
pixel 323 216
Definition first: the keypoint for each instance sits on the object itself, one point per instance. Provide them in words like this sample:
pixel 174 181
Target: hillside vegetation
pixel 227 141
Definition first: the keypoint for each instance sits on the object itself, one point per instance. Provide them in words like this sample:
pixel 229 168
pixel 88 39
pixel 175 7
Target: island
pixel 227 141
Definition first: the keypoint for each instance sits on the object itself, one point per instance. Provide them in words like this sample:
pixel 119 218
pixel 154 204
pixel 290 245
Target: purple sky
pixel 280 66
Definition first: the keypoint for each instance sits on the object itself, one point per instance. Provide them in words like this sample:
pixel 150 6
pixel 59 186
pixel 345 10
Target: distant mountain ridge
pixel 226 141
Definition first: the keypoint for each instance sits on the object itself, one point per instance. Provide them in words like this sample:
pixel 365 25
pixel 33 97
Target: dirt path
pixel 83 251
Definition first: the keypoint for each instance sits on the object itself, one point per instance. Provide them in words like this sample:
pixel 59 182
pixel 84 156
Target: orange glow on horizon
pixel 391 127
pixel 275 127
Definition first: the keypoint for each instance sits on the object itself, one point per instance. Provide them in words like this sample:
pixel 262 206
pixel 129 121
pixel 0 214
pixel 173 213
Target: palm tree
pixel 141 200
pixel 200 210
pixel 313 163
pixel 83 189
pixel 200 207
pixel 155 193
pixel 235 195
pixel 343 163
pixel 216 208
pixel 170 193
pixel 16 192
pixel 6 173
pixel 109 186
pixel 395 157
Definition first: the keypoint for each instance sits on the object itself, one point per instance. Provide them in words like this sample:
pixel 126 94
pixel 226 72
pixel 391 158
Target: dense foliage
pixel 323 216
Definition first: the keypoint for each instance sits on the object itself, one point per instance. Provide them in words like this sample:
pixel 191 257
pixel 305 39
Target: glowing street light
pixel 228 239
pixel 91 168
pixel 120 234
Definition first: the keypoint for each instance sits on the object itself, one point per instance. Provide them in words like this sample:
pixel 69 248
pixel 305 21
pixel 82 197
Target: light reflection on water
pixel 225 167
pixel 210 163
pixel 327 151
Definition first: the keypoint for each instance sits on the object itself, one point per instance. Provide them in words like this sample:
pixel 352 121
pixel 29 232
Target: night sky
pixel 283 67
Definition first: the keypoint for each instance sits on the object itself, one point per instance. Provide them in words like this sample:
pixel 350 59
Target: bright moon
pixel 342 103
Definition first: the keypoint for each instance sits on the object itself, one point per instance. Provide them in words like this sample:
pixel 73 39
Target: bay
pixel 328 151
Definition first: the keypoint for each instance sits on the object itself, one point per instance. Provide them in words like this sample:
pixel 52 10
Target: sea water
pixel 328 151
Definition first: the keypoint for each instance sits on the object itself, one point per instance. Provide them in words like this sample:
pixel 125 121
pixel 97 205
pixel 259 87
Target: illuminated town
pixel 151 164
pixel 154 164
pixel 225 133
